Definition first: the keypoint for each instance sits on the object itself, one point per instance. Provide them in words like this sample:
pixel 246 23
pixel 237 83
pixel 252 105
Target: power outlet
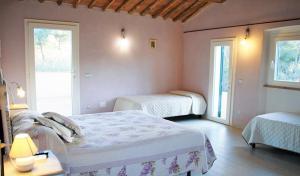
pixel 102 104
pixel 88 107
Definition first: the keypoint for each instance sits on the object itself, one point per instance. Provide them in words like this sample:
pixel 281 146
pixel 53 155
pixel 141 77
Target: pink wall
pixel 144 70
pixel 140 71
pixel 247 95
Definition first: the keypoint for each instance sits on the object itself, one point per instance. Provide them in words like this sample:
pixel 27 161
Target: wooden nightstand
pixel 42 166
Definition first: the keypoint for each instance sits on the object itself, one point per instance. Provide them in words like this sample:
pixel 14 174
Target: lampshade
pixel 22 146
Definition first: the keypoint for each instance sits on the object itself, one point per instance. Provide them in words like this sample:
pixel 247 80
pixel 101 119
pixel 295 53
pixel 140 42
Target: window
pixel 284 58
pixel 287 61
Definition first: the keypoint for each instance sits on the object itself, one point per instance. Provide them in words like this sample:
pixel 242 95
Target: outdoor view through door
pixel 53 69
pixel 221 80
pixel 53 64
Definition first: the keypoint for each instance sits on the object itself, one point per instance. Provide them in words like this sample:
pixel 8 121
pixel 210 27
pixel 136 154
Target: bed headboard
pixel 6 133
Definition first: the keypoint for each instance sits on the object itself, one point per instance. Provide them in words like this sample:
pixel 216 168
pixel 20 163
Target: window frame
pixel 275 37
pixel 30 24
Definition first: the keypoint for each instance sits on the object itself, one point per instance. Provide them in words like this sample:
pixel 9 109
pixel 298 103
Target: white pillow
pixel 24 121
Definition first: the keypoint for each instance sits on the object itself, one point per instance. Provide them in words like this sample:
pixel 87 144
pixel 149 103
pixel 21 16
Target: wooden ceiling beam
pixel 108 5
pixel 92 4
pixel 216 1
pixel 121 5
pixel 164 8
pixel 59 2
pixel 75 3
pixel 177 9
pixel 165 16
pixel 150 6
pixel 185 11
pixel 135 6
pixel 194 12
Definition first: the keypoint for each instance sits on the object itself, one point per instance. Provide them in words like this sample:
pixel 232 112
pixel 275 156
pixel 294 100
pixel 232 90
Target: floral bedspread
pixel 177 165
pixel 132 143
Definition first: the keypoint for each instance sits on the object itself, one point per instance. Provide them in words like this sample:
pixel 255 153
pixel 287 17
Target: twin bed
pixel 131 143
pixel 174 103
pixel 279 129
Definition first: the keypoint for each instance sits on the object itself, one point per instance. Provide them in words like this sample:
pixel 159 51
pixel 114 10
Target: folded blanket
pixel 65 121
pixel 66 133
pixel 199 103
pixel 64 127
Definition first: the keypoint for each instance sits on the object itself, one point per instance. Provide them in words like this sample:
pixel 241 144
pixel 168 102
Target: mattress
pixel 176 103
pixel 280 130
pixel 132 141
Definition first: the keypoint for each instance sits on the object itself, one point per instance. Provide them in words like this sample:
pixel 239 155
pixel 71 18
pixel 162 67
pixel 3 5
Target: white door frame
pixel 30 24
pixel 233 54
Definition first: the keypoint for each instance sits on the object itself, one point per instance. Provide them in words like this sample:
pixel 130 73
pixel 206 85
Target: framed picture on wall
pixel 152 43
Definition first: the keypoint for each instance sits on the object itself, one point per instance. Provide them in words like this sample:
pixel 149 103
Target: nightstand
pixel 42 166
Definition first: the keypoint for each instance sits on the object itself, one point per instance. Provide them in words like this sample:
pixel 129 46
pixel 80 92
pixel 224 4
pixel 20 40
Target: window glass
pixel 287 61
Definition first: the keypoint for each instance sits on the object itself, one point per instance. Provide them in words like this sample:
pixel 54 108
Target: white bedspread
pixel 198 101
pixel 176 103
pixel 128 137
pixel 281 130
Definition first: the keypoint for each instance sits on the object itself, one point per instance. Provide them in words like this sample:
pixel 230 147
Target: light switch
pixel 88 75
pixel 240 81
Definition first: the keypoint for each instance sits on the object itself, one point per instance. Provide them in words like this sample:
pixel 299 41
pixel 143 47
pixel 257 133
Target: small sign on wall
pixel 152 43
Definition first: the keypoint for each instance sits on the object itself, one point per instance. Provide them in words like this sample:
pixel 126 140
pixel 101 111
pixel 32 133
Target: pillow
pixel 65 121
pixel 64 132
pixel 26 114
pixel 23 121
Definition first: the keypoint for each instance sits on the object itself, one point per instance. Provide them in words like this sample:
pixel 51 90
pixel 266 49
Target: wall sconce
pixel 247 34
pixel 123 42
pixel 20 91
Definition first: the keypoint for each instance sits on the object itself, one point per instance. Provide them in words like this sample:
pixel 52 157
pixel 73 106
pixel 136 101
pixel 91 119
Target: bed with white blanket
pixel 280 130
pixel 175 103
pixel 114 144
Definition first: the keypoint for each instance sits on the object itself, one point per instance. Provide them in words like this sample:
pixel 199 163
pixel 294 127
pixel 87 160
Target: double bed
pixel 174 103
pixel 119 143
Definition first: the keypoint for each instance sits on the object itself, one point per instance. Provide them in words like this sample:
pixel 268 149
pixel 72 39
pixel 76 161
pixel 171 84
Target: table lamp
pixel 22 152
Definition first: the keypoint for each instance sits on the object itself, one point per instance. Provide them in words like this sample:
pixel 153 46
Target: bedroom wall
pixel 140 71
pixel 250 98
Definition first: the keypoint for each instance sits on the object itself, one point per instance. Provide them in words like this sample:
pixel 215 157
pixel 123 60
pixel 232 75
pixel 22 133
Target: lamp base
pixel 24 164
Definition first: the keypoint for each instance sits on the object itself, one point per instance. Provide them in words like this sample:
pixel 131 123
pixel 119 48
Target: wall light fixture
pixel 247 35
pixel 123 42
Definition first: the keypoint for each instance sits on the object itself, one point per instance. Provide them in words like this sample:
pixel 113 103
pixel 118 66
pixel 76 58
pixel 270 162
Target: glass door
pixel 221 71
pixel 53 68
